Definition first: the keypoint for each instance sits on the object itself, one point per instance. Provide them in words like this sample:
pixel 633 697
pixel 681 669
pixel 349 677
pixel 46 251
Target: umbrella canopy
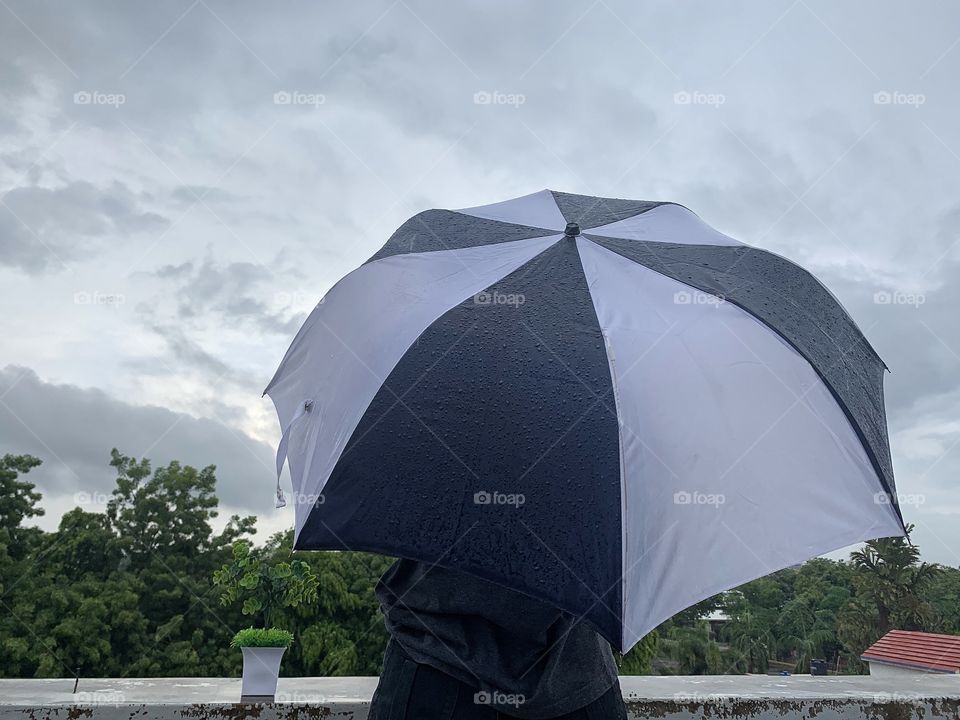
pixel 605 404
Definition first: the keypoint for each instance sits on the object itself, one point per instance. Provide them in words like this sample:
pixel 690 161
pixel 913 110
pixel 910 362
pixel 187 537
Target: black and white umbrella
pixel 604 404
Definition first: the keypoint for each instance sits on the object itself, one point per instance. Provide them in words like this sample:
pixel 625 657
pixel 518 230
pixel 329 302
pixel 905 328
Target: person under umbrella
pixel 573 417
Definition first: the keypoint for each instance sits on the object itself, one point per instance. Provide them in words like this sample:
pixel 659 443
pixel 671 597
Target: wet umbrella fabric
pixel 605 404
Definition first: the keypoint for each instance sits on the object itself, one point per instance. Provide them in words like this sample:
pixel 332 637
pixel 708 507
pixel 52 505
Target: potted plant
pixel 263 588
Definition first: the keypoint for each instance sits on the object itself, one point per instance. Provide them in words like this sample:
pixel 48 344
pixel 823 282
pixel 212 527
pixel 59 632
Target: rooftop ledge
pixel 720 696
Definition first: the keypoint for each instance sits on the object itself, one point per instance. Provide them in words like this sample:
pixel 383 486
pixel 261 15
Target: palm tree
pixel 805 630
pixel 752 639
pixel 639 661
pixel 892 574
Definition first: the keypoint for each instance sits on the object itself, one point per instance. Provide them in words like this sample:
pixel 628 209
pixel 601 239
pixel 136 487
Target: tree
pixel 18 502
pixel 943 594
pixel 806 626
pixel 74 609
pixel 892 574
pixel 168 513
pixel 752 639
pixel 689 647
pixel 805 630
pixel 343 632
pixel 754 610
pixel 639 661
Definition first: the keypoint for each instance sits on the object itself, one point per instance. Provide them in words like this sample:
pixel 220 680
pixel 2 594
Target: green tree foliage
pixel 343 632
pixel 893 576
pixel 18 502
pixel 639 661
pixel 890 585
pixel 943 594
pixel 128 593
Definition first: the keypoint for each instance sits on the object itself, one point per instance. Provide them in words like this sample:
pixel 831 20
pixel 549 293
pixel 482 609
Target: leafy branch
pixel 262 588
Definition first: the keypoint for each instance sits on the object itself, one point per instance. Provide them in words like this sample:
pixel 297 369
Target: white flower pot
pixel 261 668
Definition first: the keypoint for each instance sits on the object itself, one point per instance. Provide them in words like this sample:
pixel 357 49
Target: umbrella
pixel 604 404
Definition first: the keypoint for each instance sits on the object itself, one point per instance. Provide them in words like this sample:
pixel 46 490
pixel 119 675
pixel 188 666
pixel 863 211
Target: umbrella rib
pixel 399 400
pixel 598 399
pixel 415 382
pixel 598 599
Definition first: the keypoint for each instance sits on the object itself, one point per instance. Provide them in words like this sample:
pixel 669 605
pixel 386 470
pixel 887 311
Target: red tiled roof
pixel 926 651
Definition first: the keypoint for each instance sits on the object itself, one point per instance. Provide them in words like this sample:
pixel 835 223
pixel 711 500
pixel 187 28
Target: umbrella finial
pixel 573 229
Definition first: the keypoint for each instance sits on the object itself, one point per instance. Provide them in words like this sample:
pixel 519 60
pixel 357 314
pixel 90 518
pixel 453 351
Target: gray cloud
pixel 236 294
pixel 41 229
pixel 187 195
pixel 222 215
pixel 73 429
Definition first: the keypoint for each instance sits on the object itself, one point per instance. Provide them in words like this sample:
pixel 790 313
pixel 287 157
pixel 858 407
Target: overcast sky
pixel 180 182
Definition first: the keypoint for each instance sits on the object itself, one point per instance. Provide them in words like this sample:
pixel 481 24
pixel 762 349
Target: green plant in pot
pixel 264 589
